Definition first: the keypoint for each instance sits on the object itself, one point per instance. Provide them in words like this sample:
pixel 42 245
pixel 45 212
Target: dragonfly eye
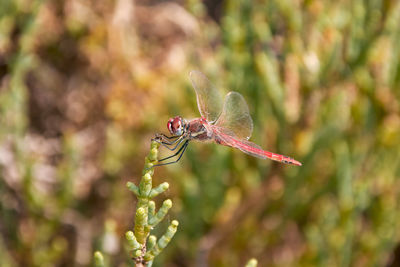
pixel 175 126
pixel 169 126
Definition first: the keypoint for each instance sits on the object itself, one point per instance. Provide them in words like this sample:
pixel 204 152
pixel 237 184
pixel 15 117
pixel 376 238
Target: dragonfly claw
pixel 157 138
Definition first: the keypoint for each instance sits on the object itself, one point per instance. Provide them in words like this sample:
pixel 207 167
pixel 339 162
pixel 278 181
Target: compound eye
pixel 177 126
pixel 169 126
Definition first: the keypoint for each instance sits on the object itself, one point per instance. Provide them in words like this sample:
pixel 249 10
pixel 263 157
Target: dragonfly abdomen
pixel 254 150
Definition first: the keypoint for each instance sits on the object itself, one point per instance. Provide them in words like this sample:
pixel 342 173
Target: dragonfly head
pixel 176 126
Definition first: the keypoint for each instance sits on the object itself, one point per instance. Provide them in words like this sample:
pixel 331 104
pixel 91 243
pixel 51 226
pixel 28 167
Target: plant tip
pixel 129 235
pixel 168 203
pixel 138 253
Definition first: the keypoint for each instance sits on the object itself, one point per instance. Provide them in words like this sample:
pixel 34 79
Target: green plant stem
pixel 98 259
pixel 252 263
pixel 143 246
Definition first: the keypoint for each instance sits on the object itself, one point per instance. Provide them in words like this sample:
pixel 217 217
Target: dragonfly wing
pixel 209 100
pixel 235 116
pixel 226 137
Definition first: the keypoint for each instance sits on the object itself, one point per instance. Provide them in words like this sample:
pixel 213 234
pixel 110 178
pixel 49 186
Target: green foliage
pixel 98 259
pixel 142 245
pixel 251 263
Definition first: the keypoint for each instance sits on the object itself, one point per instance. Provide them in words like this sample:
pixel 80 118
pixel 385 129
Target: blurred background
pixel 85 85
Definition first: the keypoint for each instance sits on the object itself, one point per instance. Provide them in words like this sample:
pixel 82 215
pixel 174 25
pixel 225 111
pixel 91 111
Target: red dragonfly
pixel 225 122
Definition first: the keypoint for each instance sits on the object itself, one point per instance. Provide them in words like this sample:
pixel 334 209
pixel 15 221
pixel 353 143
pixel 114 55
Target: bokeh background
pixel 84 85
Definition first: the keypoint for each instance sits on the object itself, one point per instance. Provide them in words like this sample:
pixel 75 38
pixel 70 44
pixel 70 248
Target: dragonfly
pixel 225 122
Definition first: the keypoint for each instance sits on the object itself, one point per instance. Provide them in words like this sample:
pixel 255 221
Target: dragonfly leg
pixel 175 154
pixel 181 151
pixel 163 137
pixel 165 144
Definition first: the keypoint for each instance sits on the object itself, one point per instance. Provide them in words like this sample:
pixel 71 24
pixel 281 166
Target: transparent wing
pixel 209 100
pixel 235 116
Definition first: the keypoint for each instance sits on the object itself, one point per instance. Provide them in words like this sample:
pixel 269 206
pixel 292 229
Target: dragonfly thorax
pixel 176 126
